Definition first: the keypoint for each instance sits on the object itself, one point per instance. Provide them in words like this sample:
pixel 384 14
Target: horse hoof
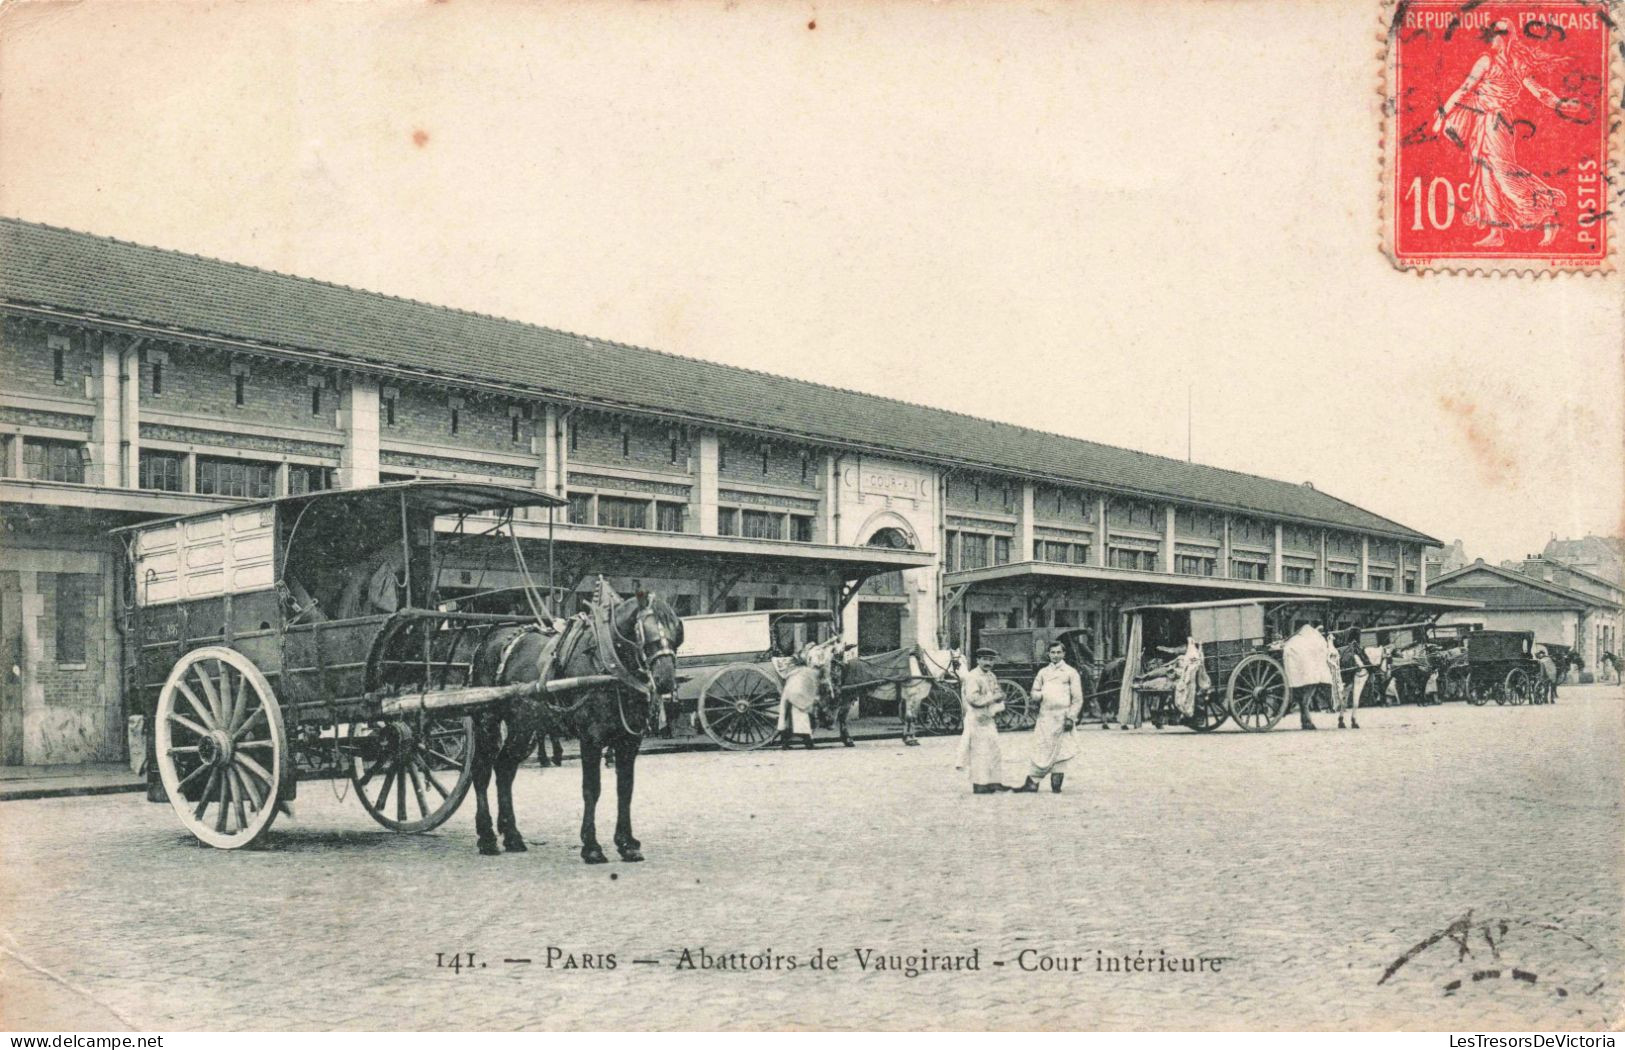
pixel 515 845
pixel 594 856
pixel 847 742
pixel 631 856
pixel 488 848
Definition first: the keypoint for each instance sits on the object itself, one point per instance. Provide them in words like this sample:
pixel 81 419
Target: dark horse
pixel 642 635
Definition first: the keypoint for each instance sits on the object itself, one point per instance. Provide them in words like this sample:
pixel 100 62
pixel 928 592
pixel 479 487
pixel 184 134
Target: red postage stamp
pixel 1501 128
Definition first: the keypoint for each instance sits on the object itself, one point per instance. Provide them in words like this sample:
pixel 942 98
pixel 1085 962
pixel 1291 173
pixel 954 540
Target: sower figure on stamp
pixel 1479 117
pixel 1307 671
pixel 979 742
pixel 1059 692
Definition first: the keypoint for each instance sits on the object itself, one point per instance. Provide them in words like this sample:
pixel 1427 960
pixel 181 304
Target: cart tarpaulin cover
pixel 1131 669
pixel 1192 679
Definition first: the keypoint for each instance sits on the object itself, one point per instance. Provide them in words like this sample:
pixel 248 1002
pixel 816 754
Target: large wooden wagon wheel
pixel 1257 693
pixel 1478 692
pixel 425 768
pixel 221 746
pixel 1210 712
pixel 1516 686
pixel 739 707
pixel 1018 710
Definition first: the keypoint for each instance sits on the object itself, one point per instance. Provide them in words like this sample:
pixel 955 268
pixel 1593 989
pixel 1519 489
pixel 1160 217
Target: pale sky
pixel 1054 215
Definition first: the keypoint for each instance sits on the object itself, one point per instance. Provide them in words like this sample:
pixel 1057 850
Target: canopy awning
pixel 1055 575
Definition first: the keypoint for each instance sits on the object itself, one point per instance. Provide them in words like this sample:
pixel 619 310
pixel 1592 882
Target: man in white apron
pixel 979 742
pixel 1059 692
pixel 797 699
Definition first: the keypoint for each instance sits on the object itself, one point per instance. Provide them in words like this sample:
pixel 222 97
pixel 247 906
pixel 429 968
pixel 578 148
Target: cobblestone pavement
pixel 1310 863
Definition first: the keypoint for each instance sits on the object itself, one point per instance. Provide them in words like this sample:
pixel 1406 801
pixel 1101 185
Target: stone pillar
pixel 189 472
pixel 1421 570
pixel 1224 550
pixel 1365 565
pixel 279 482
pixel 106 432
pixel 703 494
pixel 829 502
pixel 14 458
pixel 1168 534
pixel 358 423
pixel 129 416
pixel 1101 531
pixel 1024 527
pixel 561 449
pixel 1275 556
pixel 545 447
pixel 1323 571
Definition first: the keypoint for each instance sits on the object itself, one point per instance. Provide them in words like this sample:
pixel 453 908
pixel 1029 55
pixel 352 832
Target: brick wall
pixel 28 365
pixel 201 383
pixel 1063 506
pixel 423 415
pixel 984 493
pixel 598 438
pixel 739 458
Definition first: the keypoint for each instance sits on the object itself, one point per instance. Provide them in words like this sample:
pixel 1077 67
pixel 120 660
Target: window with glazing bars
pixel 53 461
pixel 235 477
pixel 669 517
pixel 161 470
pixel 303 478
pixel 763 525
pixel 617 513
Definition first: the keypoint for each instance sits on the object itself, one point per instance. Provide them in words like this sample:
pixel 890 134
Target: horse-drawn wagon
pixel 734 665
pixel 1199 663
pixel 1501 666
pixel 310 636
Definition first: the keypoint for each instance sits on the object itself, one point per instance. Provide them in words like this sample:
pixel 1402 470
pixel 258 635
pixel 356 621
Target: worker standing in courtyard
pixel 1059 692
pixel 1308 673
pixel 979 742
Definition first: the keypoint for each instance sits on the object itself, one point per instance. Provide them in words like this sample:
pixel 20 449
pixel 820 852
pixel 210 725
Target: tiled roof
pixel 1526 592
pixel 80 273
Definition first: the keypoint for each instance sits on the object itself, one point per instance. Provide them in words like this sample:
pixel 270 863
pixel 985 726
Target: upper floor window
pixel 240 391
pixel 456 419
pixel 59 364
pixel 315 400
pixel 973 550
pixel 161 470
pixel 618 513
pixel 801 528
pixel 158 381
pixel 762 525
pixel 727 521
pixel 303 478
pixel 1248 569
pixel 1375 582
pixel 1195 564
pixel 1001 550
pixel 389 411
pixel 235 477
pixel 1300 574
pixel 581 508
pixel 53 460
pixel 1133 558
pixel 1346 578
pixel 669 517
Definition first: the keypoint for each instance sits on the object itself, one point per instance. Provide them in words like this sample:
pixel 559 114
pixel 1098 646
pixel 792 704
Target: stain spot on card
pixel 813 24
pixel 1490 452
pixel 420 138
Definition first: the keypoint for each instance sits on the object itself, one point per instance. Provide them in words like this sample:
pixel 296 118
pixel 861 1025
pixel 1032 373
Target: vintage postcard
pixel 768 517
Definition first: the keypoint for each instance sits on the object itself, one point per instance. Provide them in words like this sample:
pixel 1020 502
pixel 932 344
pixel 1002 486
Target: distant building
pixel 1598 555
pixel 1440 560
pixel 1559 603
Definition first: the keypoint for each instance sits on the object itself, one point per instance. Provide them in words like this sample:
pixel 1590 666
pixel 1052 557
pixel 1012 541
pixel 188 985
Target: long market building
pixel 141 383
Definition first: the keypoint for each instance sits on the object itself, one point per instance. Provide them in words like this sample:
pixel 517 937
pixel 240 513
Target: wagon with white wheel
pixel 1199 664
pixel 733 665
pixel 312 636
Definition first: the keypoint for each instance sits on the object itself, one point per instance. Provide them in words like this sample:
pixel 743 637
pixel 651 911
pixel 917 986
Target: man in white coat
pixel 979 743
pixel 1306 658
pixel 1059 692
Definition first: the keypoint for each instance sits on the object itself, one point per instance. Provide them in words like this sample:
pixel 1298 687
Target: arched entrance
pixel 885 613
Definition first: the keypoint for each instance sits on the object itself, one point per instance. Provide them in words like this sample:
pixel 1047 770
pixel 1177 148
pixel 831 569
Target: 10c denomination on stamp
pixel 1501 132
